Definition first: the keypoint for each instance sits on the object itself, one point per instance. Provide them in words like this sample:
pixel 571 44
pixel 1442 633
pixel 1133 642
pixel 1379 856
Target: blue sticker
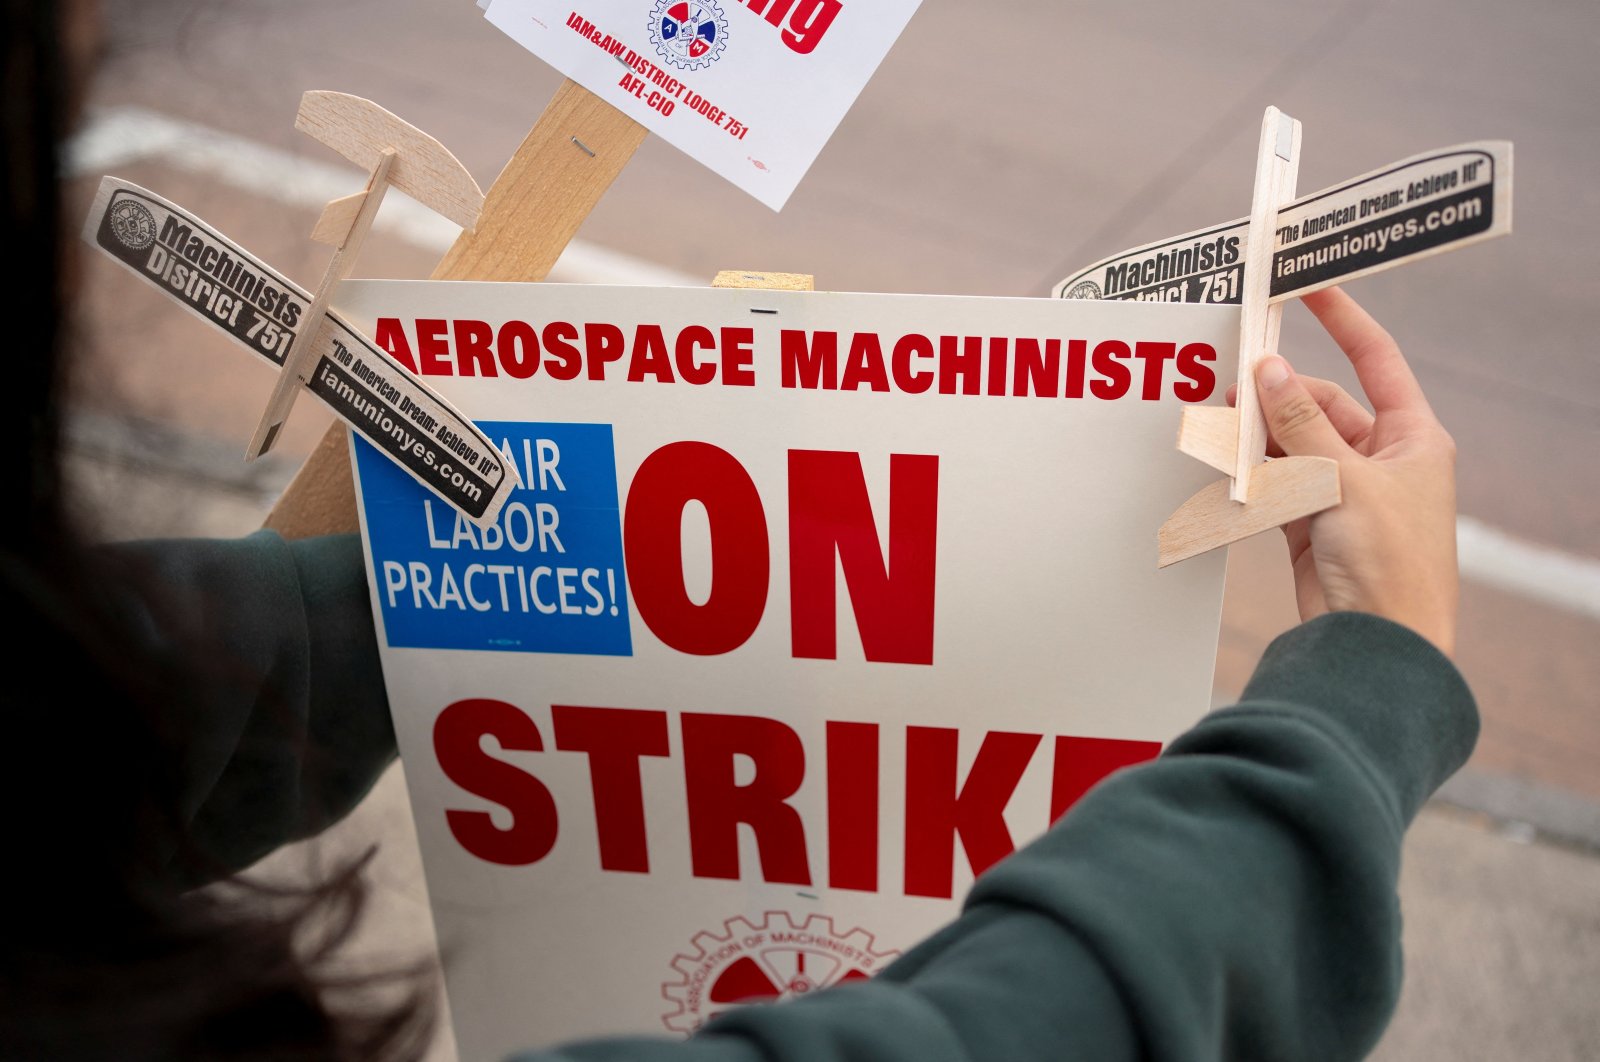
pixel 546 578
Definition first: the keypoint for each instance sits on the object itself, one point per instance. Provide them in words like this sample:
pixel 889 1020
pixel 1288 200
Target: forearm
pixel 1239 892
pixel 288 723
pixel 1234 899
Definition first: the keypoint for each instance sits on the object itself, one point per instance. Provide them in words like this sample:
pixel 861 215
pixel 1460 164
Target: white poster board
pixel 752 90
pixel 810 605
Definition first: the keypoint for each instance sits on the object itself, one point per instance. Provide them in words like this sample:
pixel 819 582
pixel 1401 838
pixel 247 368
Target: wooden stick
pixel 297 365
pixel 1210 434
pixel 336 219
pixel 1277 168
pixel 397 153
pixel 547 190
pixel 424 169
pixel 1285 489
pixel 1259 494
pixel 532 211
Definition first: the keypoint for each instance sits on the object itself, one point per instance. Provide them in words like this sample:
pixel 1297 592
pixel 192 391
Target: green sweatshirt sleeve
pixel 289 726
pixel 1234 899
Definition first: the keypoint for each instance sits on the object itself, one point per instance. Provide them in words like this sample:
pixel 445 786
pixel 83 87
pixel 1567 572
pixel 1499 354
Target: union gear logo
pixel 776 958
pixel 688 34
pixel 1085 289
pixel 132 224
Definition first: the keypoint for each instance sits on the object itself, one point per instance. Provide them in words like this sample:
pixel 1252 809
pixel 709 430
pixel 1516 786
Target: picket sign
pixel 1258 494
pixel 531 212
pixel 844 597
pixel 751 90
pixel 573 153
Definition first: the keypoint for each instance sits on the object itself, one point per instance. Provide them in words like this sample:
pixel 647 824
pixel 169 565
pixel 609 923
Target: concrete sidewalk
pixel 1502 919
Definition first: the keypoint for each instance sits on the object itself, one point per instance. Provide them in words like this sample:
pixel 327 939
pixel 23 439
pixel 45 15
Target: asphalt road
pixel 995 150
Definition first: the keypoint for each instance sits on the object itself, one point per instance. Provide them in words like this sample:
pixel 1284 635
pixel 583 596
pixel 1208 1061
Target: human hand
pixel 1389 547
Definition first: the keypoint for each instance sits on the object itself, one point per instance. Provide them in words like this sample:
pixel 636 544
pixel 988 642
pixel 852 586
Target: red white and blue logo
pixel 688 34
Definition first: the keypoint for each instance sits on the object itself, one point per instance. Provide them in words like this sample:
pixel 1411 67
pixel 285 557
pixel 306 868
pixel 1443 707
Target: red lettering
pixel 998 355
pixel 433 348
pixel 391 336
pixel 518 345
pixel 809 365
pixel 738 352
pixel 811 20
pixel 649 356
pixel 691 339
pixel 560 340
pixel 937 810
pixel 473 350
pixel 1154 356
pixel 960 364
pixel 1201 380
pixel 865 364
pixel 1038 371
pixel 457 737
pixel 604 343
pixel 1077 357
pixel 653 546
pixel 906 348
pixel 1116 377
pixel 614 739
pixel 829 510
pixel 807 25
pixel 774 9
pixel 745 770
pixel 717 804
pixel 853 806
pixel 1081 762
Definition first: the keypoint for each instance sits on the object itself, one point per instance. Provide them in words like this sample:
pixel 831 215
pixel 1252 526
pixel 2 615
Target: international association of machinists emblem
pixel 688 34
pixel 132 224
pixel 1087 289
pixel 760 961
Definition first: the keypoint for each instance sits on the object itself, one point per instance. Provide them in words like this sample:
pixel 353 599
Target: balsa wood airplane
pixel 1414 208
pixel 395 153
pixel 225 285
pixel 1258 494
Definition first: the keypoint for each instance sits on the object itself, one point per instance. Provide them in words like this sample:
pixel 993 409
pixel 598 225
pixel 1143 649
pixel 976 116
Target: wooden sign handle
pixel 530 214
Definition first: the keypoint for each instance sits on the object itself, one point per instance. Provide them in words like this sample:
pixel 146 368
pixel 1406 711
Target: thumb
pixel 1295 420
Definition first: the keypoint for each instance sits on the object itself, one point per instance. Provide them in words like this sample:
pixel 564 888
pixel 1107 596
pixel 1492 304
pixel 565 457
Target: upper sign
pixel 751 89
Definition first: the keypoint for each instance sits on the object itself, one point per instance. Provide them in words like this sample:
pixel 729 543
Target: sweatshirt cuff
pixel 1388 690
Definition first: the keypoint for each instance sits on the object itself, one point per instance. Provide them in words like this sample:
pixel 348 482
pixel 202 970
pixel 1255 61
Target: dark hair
pixel 108 951
pixel 31 93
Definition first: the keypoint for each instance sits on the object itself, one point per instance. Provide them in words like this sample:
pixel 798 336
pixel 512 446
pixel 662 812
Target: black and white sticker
pixel 1420 206
pixel 221 283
